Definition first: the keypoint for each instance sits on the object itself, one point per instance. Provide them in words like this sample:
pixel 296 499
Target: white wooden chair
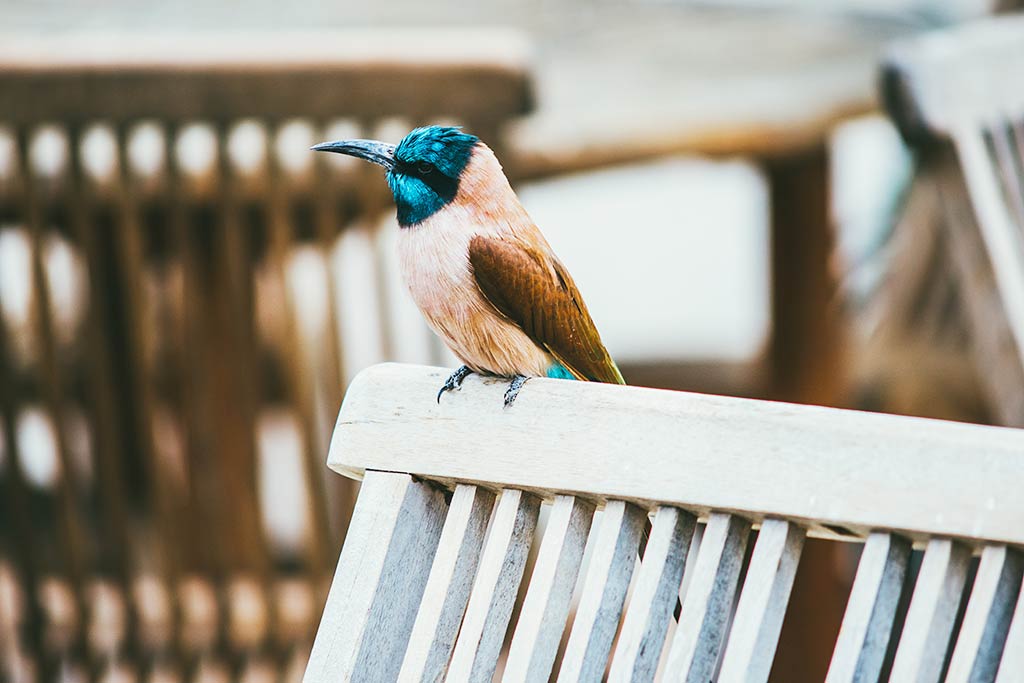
pixel 432 565
pixel 956 96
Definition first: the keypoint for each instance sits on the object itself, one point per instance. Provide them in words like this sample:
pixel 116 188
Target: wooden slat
pixel 979 646
pixel 871 610
pixel 1006 157
pixel 214 549
pixel 494 591
pixel 129 248
pixel 327 228
pixel 379 582
pixel 1016 130
pixel 106 438
pixel 115 540
pixel 767 455
pixel 447 591
pixel 996 362
pixel 654 597
pixel 359 306
pixel 604 593
pixel 1002 239
pixel 546 607
pixel 73 540
pixel 18 530
pixel 1011 668
pixel 706 607
pixel 340 491
pixel 924 643
pixel 762 605
pixel 237 388
pixel 297 384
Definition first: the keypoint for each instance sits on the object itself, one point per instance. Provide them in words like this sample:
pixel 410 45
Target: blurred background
pixel 185 290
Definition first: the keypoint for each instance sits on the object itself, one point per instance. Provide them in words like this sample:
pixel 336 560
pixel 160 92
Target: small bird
pixel 478 267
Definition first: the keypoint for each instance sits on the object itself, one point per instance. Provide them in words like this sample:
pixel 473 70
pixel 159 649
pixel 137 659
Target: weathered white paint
pixel 871 610
pixel 379 581
pixel 546 607
pixel 389 560
pixel 858 470
pixel 979 645
pixel 1011 668
pixel 762 605
pixel 604 593
pixel 929 624
pixel 494 590
pixel 700 636
pixel 654 597
pixel 447 592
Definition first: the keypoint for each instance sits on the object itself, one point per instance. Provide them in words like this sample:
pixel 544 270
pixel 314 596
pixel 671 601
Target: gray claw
pixel 513 389
pixel 454 381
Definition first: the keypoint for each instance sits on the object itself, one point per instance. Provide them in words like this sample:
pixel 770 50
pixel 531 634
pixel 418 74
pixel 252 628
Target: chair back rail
pixel 705 467
pixel 954 95
pixel 219 287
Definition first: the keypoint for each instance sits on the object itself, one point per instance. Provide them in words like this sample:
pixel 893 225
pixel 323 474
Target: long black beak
pixel 379 153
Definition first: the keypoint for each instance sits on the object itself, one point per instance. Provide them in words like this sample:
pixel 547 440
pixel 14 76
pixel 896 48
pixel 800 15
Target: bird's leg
pixel 454 381
pixel 513 389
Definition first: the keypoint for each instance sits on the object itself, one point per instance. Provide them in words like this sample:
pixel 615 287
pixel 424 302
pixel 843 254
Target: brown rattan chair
pixel 171 173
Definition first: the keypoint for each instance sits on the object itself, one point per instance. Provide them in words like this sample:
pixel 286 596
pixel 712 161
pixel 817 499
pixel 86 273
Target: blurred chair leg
pixel 805 349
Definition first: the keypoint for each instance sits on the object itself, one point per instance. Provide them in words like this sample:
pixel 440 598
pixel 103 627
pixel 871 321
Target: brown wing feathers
pixel 533 290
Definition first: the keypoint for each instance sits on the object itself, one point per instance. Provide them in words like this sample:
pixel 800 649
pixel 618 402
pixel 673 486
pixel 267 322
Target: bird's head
pixel 423 171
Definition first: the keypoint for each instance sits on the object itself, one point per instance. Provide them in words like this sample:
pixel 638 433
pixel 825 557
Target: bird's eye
pixel 424 168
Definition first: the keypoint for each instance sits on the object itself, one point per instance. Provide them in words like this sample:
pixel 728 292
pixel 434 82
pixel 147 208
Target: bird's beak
pixel 379 153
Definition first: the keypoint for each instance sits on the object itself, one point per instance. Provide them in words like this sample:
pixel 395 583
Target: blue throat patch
pixel 428 163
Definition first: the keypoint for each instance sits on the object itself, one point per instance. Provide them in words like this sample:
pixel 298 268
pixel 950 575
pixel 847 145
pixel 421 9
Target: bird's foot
pixel 454 381
pixel 513 389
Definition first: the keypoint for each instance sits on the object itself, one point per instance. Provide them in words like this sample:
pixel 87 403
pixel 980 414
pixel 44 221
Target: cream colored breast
pixel 433 257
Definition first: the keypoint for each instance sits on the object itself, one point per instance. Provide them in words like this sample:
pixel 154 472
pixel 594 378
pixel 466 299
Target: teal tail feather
pixel 559 371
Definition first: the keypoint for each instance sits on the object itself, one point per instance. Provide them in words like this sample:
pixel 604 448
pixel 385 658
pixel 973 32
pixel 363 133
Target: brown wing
pixel 533 290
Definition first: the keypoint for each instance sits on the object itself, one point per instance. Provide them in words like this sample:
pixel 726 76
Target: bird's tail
pixel 618 374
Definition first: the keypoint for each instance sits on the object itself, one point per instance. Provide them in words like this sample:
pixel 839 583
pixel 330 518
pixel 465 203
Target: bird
pixel 479 269
pixel 477 266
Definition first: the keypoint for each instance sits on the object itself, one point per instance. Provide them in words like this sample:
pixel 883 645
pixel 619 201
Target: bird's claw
pixel 513 389
pixel 454 381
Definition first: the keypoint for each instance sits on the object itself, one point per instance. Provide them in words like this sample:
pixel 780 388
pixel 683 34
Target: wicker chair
pixel 171 174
